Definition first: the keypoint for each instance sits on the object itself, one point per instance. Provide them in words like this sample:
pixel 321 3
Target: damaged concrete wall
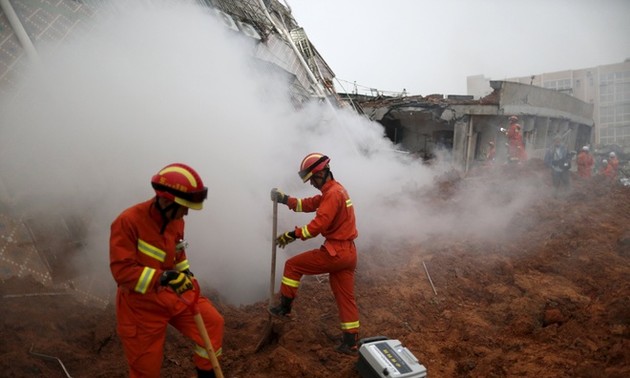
pixel 460 140
pixel 463 127
pixel 518 98
pixel 545 113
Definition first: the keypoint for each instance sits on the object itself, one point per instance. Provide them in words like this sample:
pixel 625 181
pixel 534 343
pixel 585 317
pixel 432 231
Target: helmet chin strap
pixel 164 212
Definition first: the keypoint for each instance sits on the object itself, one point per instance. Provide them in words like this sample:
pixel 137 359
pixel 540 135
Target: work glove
pixel 286 238
pixel 178 281
pixel 278 195
pixel 188 272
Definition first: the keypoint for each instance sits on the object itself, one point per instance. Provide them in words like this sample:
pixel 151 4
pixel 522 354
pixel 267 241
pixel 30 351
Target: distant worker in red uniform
pixel 606 170
pixel 148 261
pixel 516 146
pixel 585 163
pixel 335 220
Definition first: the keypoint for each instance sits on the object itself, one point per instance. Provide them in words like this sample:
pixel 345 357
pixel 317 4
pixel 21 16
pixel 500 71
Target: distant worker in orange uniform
pixel 335 220
pixel 585 163
pixel 148 261
pixel 606 170
pixel 516 147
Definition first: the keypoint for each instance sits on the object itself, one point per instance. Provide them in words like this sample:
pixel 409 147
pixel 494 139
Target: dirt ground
pixel 553 302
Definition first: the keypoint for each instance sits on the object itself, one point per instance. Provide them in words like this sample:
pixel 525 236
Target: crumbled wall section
pixel 518 98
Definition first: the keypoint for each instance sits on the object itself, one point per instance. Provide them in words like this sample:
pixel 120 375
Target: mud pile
pixel 552 302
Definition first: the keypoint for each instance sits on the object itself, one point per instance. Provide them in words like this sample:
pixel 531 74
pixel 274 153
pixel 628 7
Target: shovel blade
pixel 269 336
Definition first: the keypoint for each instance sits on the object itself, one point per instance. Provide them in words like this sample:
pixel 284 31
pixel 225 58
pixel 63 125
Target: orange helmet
pixel 311 164
pixel 180 184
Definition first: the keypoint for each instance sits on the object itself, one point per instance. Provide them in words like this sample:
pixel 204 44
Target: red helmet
pixel 312 164
pixel 180 184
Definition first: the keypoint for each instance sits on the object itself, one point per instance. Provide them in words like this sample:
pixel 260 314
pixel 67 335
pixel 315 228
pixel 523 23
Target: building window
pixel 563 85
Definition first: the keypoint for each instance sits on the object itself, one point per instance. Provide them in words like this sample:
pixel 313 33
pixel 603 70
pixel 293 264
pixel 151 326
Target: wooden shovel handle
pixel 274 233
pixel 208 345
pixel 193 306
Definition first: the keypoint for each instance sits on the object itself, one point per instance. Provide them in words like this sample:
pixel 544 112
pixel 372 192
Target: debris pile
pixel 553 301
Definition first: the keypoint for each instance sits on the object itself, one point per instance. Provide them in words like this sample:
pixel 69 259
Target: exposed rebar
pixel 32 295
pixel 51 358
pixel 429 277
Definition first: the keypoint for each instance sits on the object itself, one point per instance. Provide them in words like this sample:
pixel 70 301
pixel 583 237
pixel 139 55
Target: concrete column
pixel 469 143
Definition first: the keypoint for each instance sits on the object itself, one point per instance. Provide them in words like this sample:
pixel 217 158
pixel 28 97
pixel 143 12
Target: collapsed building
pixel 38 244
pixel 278 45
pixel 462 126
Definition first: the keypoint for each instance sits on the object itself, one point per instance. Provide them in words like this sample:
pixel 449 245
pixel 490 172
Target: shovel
pixel 268 333
pixel 193 306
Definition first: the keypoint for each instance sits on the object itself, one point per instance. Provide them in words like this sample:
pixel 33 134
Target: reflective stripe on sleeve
pixel 305 233
pixel 182 265
pixel 151 251
pixel 145 280
pixel 348 202
pixel 298 207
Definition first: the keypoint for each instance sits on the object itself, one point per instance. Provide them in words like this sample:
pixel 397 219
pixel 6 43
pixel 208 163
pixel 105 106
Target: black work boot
pixel 205 373
pixel 349 344
pixel 282 310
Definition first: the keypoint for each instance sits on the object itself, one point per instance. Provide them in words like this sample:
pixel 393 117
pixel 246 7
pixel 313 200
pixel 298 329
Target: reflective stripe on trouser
pixel 214 325
pixel 142 321
pixel 203 353
pixel 341 277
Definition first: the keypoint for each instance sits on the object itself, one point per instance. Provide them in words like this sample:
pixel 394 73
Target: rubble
pixel 554 301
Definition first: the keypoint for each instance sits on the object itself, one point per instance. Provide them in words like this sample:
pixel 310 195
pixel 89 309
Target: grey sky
pixel 432 46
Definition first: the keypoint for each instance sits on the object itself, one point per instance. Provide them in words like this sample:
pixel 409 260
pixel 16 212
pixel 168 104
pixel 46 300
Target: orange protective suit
pixel 337 256
pixel 585 164
pixel 139 254
pixel 607 171
pixel 516 147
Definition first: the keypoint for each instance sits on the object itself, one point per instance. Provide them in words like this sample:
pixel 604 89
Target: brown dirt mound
pixel 554 302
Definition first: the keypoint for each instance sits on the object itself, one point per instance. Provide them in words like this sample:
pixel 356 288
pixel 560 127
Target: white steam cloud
pixel 153 83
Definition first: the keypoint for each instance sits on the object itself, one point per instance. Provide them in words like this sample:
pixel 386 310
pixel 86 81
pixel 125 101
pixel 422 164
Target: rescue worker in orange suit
pixel 516 147
pixel 585 163
pixel 148 261
pixel 606 170
pixel 335 220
